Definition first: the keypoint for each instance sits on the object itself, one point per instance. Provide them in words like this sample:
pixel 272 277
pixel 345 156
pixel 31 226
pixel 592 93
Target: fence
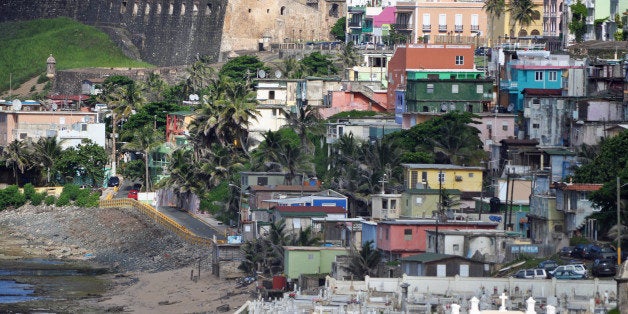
pixel 159 217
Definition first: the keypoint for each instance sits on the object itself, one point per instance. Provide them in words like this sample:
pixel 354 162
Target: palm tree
pixel 495 9
pixel 364 262
pixel 145 140
pixel 305 121
pixel 521 11
pixel 291 68
pixel 45 152
pixel 305 237
pixel 349 56
pixel 16 156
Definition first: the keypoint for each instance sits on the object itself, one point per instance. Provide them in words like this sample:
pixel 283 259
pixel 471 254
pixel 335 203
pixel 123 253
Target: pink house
pixel 348 100
pixel 402 238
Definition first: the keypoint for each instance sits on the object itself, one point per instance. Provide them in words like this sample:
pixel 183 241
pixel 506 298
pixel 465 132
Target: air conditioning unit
pixel 458 178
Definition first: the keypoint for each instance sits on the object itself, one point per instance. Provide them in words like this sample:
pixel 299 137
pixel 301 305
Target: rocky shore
pixel 146 268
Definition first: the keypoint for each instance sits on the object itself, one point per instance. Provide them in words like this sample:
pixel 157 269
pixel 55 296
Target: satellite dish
pixel 511 107
pixel 16 105
pixel 261 74
pixel 54 106
pixel 443 107
pixel 193 97
pixel 278 74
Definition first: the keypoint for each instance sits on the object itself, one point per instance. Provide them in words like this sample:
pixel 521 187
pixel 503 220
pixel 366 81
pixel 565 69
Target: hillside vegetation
pixel 26 45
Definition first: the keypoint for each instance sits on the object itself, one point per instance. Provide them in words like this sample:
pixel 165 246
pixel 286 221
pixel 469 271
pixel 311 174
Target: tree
pixel 578 24
pixel 304 121
pixel 291 68
pixel 16 157
pixel 45 153
pixel 146 140
pixel 495 9
pixel 364 262
pixel 86 161
pixel 339 30
pixel 317 64
pixel 242 68
pixel 349 56
pixel 521 12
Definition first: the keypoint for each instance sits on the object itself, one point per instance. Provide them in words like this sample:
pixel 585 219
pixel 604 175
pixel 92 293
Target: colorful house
pixel 436 78
pixel 303 260
pixel 300 217
pixel 436 176
pixel 443 265
pixel 402 238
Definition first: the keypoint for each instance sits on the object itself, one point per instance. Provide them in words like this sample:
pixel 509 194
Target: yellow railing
pixel 157 216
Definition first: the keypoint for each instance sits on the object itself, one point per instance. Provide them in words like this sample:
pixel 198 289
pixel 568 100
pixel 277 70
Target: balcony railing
pixel 590 20
pixel 549 14
pixel 403 26
pixel 357 24
pixel 475 28
pixel 427 27
pixel 442 28
pixel 458 28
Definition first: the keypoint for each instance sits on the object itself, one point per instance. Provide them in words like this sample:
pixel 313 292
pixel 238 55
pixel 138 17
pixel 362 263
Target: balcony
pixel 549 14
pixel 590 4
pixel 458 28
pixel 475 28
pixel 590 20
pixel 403 26
pixel 355 24
pixel 427 28
pixel 442 28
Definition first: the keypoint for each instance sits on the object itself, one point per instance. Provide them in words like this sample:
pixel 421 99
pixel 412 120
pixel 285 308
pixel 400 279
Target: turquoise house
pixel 302 260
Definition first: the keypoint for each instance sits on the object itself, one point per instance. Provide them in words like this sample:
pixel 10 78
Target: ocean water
pixel 13 292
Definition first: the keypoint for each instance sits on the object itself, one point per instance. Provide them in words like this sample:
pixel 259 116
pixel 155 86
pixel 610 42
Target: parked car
pixel 602 252
pixel 133 194
pixel 566 251
pixel 568 274
pixel 579 269
pixel 548 265
pixel 113 181
pixel 581 250
pixel 537 273
pixel 137 186
pixel 604 267
pixel 481 51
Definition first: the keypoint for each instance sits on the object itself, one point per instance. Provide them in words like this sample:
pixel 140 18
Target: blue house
pixel 322 198
pixel 536 69
pixel 369 232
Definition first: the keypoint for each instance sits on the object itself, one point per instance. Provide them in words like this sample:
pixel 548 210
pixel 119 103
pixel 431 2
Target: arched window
pixel 208 9
pixel 182 8
pixel 282 11
pixel 536 15
pixel 535 32
pixel 123 7
pixel 523 33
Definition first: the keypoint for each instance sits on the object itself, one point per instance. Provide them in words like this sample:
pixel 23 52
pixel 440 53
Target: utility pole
pixel 512 191
pixel 440 204
pixel 506 209
pixel 618 221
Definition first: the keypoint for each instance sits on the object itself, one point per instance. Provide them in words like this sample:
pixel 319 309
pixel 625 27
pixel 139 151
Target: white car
pixel 576 268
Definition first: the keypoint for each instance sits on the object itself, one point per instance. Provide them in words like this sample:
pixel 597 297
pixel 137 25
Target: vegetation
pixel 578 26
pixel 365 261
pixel 521 12
pixel 12 197
pixel 73 45
pixel 339 29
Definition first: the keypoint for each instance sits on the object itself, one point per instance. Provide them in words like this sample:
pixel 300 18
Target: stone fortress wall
pixel 175 32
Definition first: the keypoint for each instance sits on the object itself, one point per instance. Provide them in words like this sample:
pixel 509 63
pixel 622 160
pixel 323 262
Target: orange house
pixel 402 238
pixel 426 58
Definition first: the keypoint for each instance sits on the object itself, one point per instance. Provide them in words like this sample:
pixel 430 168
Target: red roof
pixel 542 91
pixel 68 97
pixel 580 187
pixel 286 188
pixel 311 209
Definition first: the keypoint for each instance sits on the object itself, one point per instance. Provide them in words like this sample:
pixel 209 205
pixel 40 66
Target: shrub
pixel 63 200
pixel 38 198
pixel 29 191
pixel 11 196
pixel 42 79
pixel 71 190
pixel 50 200
pixel 84 198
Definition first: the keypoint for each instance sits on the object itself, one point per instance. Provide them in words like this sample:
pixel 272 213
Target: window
pixel 535 125
pixel 271 94
pixel 454 89
pixel 459 60
pixel 386 233
pixel 426 19
pixel 470 174
pixel 441 177
pixel 505 127
pixel 384 204
pixel 552 76
pixel 310 256
pixel 479 89
pixel 538 75
pixel 407 234
pixel 393 204
pixel 274 112
pixel 456 247
pixel 419 200
pixel 430 88
pixel 475 22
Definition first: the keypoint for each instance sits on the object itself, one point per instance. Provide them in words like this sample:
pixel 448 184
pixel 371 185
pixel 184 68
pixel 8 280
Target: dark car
pixel 566 251
pixel 604 267
pixel 133 194
pixel 137 186
pixel 581 251
pixel 602 252
pixel 548 265
pixel 481 51
pixel 113 181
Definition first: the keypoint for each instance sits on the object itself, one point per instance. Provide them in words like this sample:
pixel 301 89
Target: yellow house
pixel 503 26
pixel 434 176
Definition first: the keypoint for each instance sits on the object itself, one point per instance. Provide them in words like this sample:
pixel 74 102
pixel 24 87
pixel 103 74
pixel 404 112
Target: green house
pixel 299 260
pixel 442 91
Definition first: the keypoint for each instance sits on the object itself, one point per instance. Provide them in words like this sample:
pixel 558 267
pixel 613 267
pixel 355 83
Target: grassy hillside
pixel 25 46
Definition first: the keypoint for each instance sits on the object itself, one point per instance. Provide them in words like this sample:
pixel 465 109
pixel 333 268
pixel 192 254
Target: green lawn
pixel 25 46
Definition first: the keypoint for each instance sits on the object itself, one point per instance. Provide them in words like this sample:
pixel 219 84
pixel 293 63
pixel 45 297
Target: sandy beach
pixel 149 270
